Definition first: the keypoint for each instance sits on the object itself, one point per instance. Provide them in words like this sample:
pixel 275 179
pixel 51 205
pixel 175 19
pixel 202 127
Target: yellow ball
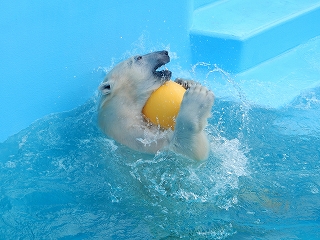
pixel 163 105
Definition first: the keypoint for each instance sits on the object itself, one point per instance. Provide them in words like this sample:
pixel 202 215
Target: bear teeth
pixel 163 74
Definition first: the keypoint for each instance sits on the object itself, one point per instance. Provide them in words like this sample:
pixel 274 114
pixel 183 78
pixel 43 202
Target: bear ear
pixel 105 88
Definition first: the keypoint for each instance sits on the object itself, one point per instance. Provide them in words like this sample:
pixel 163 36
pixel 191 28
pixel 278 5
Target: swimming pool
pixel 62 179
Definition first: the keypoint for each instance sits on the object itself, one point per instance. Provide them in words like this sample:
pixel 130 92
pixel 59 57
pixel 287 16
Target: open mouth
pixel 163 74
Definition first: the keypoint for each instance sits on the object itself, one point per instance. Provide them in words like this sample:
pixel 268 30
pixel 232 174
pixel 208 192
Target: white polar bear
pixel 125 91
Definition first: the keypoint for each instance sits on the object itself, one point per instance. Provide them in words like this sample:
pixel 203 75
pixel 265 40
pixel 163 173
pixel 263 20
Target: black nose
pixel 165 52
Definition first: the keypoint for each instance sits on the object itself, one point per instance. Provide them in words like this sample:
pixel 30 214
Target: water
pixel 61 178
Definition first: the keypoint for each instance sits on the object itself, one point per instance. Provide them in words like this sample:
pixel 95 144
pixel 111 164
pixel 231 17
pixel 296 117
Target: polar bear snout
pixel 162 54
pixel 160 58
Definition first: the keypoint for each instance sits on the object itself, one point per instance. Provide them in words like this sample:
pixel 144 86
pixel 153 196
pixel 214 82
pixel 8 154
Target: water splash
pixel 61 178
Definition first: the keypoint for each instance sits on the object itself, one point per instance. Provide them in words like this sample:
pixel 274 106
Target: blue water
pixel 61 178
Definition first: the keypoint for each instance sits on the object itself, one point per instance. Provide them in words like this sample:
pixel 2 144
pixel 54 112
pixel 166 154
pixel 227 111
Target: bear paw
pixel 195 107
pixel 199 100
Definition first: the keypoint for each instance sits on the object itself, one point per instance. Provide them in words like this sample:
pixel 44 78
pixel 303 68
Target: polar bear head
pixel 136 77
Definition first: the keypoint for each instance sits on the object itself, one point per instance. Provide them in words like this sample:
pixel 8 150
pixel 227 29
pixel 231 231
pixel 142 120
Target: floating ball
pixel 163 105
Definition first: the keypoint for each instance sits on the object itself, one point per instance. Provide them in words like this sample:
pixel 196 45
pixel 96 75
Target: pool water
pixel 61 178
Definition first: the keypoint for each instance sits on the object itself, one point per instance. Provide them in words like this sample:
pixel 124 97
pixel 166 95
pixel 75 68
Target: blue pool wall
pixel 51 50
pixel 53 53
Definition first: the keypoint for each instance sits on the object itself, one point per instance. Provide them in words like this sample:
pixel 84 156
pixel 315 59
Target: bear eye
pixel 138 58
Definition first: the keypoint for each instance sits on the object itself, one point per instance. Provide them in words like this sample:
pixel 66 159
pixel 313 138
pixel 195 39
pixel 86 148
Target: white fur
pixel 125 91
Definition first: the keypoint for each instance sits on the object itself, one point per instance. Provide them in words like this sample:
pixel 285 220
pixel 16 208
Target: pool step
pixel 277 82
pixel 240 34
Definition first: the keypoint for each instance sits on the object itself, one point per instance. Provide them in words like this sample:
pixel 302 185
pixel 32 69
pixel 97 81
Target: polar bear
pixel 124 92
